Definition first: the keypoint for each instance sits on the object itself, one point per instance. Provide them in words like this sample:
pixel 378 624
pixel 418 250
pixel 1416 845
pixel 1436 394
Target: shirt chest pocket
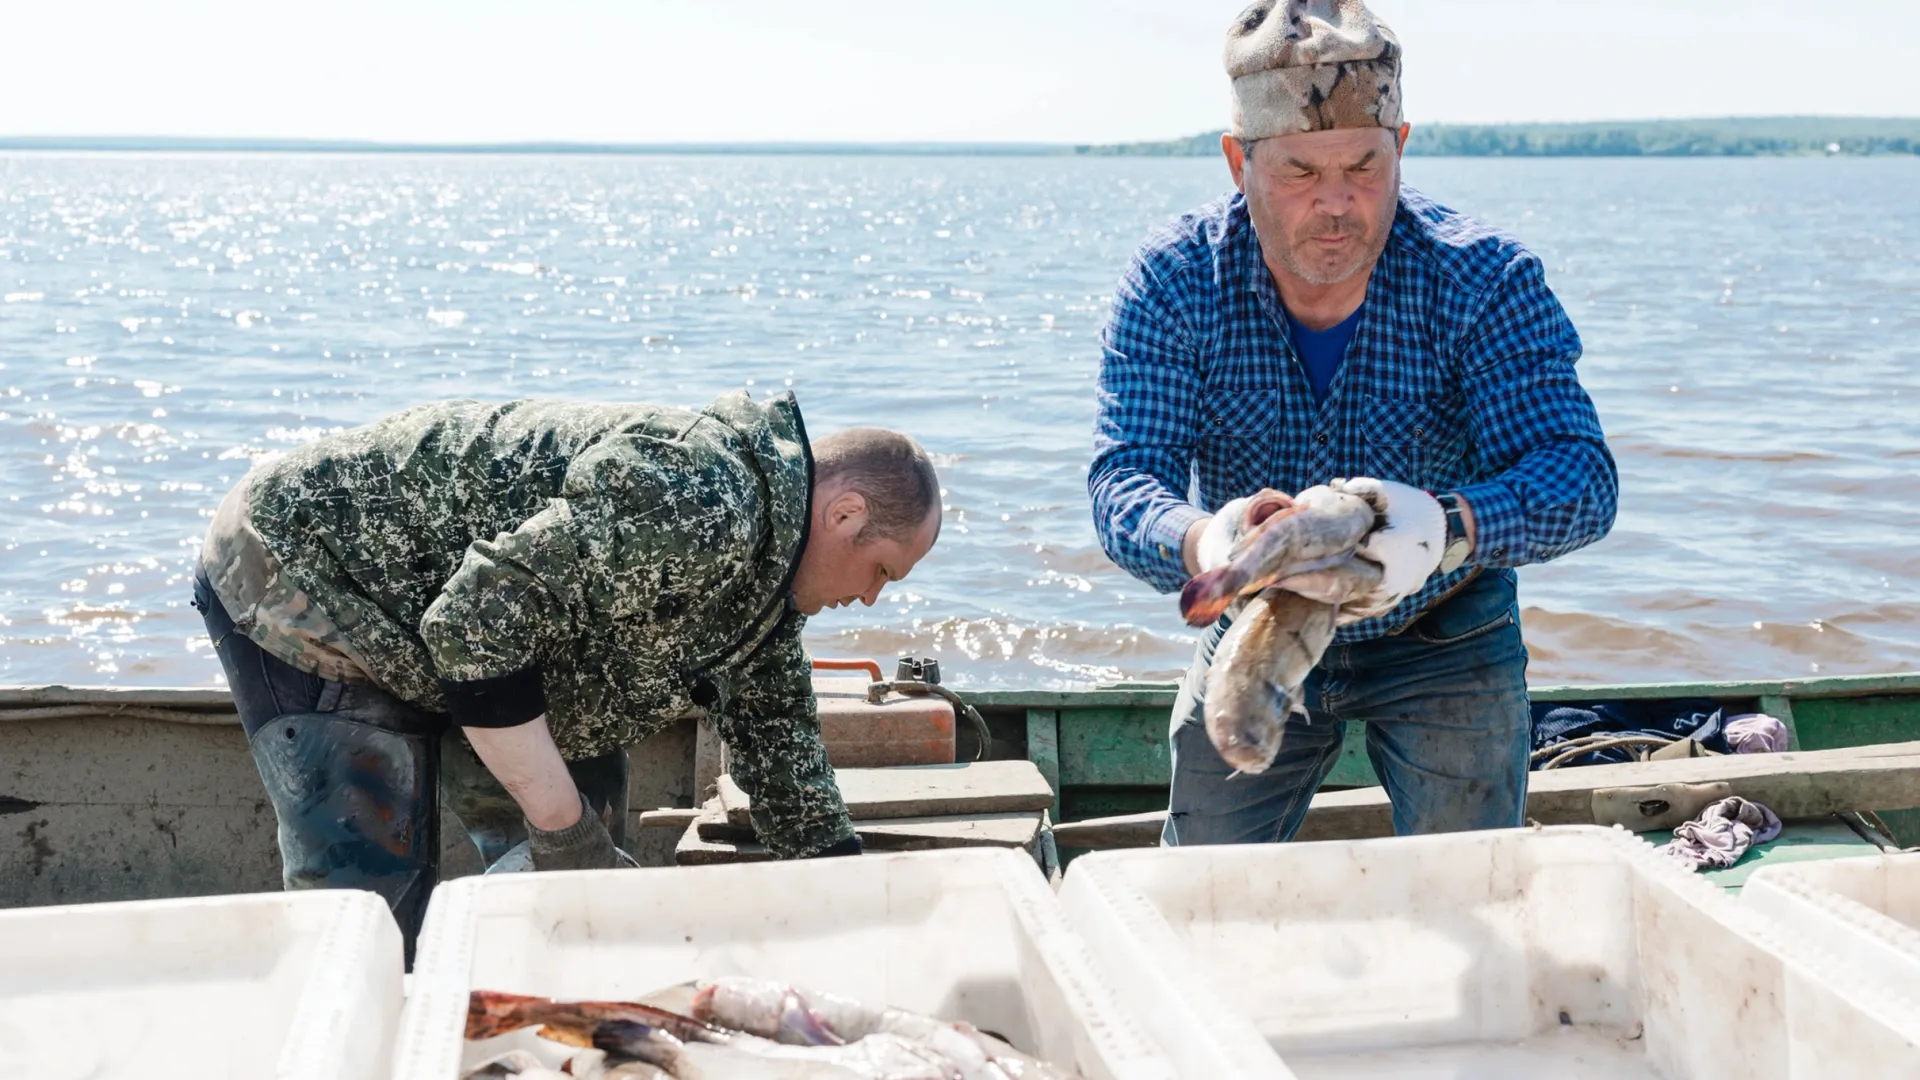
pixel 1238 441
pixel 1401 436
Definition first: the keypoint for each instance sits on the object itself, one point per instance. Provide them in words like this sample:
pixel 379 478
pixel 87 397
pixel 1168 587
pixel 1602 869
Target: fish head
pixel 633 1039
pixel 1249 755
pixel 1248 733
pixel 1245 712
pixel 1344 497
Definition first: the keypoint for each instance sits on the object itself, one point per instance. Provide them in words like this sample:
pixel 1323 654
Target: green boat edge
pixel 1105 752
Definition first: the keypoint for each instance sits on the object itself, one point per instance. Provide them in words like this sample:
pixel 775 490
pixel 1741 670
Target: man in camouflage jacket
pixel 544 583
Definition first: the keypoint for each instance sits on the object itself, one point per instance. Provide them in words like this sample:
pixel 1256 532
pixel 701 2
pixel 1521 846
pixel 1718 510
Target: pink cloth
pixel 1722 833
pixel 1755 733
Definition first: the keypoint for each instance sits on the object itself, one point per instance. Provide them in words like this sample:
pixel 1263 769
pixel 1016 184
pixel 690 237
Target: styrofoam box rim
pixel 347 1016
pixel 1800 899
pixel 1099 896
pixel 431 1032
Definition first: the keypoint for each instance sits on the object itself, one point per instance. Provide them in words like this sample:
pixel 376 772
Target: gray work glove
pixel 584 845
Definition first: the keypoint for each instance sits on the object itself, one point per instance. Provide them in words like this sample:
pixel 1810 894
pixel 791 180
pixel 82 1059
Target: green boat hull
pixel 111 794
pixel 1105 750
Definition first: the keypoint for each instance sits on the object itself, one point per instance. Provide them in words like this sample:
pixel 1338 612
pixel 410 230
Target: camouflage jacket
pixel 614 566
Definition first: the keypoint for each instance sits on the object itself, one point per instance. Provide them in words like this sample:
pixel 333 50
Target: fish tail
pixel 493 1012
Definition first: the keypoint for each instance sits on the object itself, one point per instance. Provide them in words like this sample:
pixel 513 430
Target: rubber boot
pixel 357 809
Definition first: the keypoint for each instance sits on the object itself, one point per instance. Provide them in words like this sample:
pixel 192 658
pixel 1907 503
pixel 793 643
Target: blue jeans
pixel 1448 729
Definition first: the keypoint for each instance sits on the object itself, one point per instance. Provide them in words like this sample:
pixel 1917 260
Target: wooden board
pixel 667 817
pixel 908 834
pixel 711 839
pixel 977 787
pixel 1799 784
pixel 693 851
pixel 1119 831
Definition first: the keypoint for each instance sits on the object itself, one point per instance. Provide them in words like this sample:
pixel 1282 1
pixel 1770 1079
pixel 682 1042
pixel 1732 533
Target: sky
pixel 891 70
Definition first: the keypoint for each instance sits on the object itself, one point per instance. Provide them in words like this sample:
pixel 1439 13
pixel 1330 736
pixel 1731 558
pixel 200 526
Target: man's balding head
pixel 889 470
pixel 876 513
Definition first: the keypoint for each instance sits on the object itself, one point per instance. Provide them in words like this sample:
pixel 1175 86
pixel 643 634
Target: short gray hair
pixel 890 471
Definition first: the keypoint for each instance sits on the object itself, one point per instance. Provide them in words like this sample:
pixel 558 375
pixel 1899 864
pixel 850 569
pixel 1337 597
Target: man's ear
pixel 1236 159
pixel 847 512
pixel 1400 143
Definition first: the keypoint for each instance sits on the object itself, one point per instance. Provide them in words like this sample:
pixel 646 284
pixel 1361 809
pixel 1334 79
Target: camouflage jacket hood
pixel 613 566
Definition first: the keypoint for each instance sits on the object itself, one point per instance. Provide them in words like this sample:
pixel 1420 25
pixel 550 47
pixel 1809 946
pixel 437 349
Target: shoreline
pixel 1792 136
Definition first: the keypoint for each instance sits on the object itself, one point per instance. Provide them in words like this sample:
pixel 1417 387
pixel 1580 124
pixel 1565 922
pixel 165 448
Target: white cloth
pixel 1407 548
pixel 1722 833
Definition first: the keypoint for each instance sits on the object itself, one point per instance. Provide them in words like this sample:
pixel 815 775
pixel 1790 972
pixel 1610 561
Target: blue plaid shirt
pixel 1459 378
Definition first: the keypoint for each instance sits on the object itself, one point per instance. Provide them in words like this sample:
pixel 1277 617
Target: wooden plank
pixel 1020 830
pixel 1043 746
pixel 1124 747
pixel 1821 723
pixel 1121 831
pixel 196 697
pixel 1796 784
pixel 974 787
pixel 693 851
pixel 710 839
pixel 908 834
pixel 668 817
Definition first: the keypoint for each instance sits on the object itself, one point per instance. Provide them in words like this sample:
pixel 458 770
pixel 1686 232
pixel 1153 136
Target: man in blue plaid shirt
pixel 1327 322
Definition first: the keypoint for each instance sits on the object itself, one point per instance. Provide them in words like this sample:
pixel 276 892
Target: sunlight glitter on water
pixel 169 320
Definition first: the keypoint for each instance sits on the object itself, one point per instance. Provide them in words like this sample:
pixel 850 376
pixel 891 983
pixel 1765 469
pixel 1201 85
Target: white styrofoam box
pixel 972 934
pixel 1865 912
pixel 295 986
pixel 1573 952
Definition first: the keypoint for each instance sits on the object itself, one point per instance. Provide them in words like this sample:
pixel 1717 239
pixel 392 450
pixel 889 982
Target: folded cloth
pixel 1722 833
pixel 1755 733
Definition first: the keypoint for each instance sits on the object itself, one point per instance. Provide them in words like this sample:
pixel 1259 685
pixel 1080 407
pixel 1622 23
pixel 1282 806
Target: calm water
pixel 1751 332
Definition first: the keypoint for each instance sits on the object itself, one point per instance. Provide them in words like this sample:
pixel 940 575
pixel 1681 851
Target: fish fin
pixel 1207 595
pixel 569 1031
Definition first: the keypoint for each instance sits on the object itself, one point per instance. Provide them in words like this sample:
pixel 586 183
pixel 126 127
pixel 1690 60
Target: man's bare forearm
pixel 527 763
pixel 1190 545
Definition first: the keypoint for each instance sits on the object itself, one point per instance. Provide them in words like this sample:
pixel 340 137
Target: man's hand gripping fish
pixel 1278 635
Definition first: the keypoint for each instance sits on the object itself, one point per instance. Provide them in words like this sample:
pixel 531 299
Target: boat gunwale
pixel 1144 694
pixel 208 704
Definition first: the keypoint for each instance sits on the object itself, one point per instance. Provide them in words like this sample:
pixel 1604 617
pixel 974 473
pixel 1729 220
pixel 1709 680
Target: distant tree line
pixel 1733 137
